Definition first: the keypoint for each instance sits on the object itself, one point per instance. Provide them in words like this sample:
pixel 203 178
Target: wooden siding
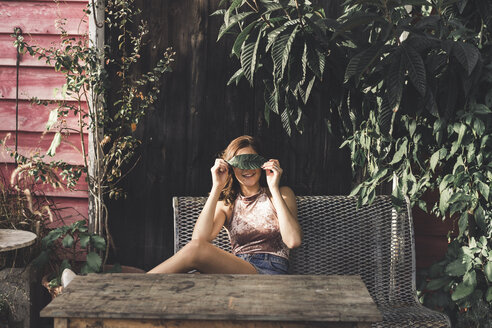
pixel 196 116
pixel 39 21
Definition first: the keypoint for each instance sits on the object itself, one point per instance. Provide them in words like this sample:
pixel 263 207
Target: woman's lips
pixel 249 175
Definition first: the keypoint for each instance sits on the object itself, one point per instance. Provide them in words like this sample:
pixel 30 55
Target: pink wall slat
pixel 33 82
pixel 31 143
pixel 8 52
pixel 32 117
pixel 42 17
pixel 71 209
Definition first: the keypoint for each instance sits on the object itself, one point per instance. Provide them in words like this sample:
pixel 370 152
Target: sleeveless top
pixel 253 226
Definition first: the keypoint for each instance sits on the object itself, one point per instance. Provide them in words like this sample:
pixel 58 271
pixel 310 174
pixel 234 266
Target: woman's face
pixel 248 178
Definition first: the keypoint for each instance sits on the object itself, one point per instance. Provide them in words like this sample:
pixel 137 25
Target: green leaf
pixel 416 69
pixel 466 54
pixel 272 36
pixel 236 48
pixel 308 90
pixel 230 10
pixel 360 63
pixel 488 294
pixel 232 22
pixel 54 144
pixel 249 54
pixel 84 240
pixel 316 62
pixel 67 241
pixel 488 270
pixel 357 19
pixel 94 261
pixel 402 150
pixel 463 223
pixel 484 189
pixel 457 268
pixel 247 161
pixel 480 109
pixel 236 77
pixel 434 160
pixel 53 118
pixel 478 126
pixel 466 287
pixel 436 284
pixel 98 242
pixel 443 200
pixel 285 118
pixel 281 51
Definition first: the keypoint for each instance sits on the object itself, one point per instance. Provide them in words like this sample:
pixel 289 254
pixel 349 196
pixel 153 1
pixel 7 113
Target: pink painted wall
pixel 38 21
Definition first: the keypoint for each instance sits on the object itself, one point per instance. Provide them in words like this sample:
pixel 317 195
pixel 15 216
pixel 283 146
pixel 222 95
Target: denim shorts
pixel 266 263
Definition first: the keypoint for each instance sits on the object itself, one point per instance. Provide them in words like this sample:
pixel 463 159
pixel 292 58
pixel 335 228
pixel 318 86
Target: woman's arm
pixel 213 214
pixel 284 201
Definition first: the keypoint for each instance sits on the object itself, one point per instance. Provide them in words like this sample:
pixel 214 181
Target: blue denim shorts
pixel 267 263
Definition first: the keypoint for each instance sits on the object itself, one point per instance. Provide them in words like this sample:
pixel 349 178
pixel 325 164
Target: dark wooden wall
pixel 195 118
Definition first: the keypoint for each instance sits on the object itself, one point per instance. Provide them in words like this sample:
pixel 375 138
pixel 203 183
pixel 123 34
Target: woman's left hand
pixel 273 173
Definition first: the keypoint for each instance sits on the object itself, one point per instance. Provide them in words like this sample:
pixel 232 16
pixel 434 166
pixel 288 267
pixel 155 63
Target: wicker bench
pixel 374 242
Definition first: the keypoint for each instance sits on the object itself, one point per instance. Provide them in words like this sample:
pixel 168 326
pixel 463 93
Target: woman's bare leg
pixel 203 256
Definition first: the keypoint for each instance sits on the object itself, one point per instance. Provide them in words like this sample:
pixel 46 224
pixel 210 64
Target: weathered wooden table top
pixel 11 239
pixel 216 297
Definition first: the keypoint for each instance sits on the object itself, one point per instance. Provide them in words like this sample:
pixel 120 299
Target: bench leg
pixel 61 323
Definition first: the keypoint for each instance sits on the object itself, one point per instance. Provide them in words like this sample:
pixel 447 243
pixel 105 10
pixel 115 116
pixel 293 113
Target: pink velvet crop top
pixel 253 226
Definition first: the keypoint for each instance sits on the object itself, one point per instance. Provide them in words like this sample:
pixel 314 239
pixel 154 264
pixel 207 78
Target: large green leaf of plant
pixel 247 161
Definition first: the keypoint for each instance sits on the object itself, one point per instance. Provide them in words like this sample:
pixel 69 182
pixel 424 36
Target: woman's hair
pixel 231 188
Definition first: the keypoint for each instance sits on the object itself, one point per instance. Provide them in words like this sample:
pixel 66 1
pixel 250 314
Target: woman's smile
pixel 249 174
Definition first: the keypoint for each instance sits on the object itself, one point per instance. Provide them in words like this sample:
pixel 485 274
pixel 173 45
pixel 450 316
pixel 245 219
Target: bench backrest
pixel 375 242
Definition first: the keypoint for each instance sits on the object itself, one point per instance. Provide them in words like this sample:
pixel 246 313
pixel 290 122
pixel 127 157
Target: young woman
pixel 261 220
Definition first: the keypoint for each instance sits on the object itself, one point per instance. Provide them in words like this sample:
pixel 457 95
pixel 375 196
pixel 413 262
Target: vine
pixel 86 68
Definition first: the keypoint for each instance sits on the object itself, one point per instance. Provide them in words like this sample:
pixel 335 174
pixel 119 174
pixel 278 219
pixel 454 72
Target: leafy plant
pixel 114 142
pixel 247 161
pixel 409 88
pixel 75 240
pixel 285 40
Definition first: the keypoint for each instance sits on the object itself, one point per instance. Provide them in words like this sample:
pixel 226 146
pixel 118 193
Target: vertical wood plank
pixel 61 323
pixel 196 116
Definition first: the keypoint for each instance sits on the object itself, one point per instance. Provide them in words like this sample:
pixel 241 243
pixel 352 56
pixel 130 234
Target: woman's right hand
pixel 220 173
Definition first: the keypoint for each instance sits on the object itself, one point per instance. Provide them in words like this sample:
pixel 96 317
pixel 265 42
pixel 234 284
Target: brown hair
pixel 231 188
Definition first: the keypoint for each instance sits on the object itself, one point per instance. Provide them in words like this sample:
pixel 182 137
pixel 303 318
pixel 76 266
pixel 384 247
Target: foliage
pixel 286 41
pixel 114 143
pixel 247 161
pixel 23 206
pixel 74 239
pixel 410 81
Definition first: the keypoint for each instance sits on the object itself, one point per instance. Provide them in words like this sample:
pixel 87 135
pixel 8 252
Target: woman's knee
pixel 196 250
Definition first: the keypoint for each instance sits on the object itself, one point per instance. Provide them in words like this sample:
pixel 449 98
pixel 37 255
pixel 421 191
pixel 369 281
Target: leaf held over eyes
pixel 247 161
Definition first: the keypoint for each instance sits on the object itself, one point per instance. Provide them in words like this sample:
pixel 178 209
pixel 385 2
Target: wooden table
pixel 213 300
pixel 11 239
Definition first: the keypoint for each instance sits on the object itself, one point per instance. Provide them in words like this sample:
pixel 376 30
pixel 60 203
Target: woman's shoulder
pixel 227 209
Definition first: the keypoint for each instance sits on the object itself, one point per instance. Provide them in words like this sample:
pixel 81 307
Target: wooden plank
pixel 42 17
pixel 427 224
pixel 71 209
pixel 32 117
pixel 216 297
pixel 8 53
pixel 33 82
pixel 129 323
pixel 31 143
pixel 429 249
